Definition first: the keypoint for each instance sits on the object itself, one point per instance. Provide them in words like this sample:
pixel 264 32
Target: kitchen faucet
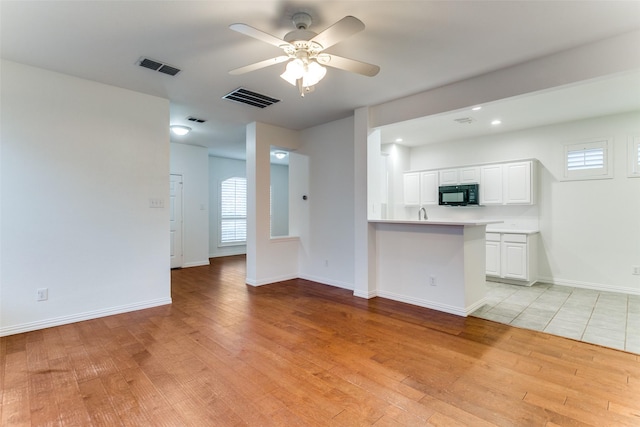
pixel 422 209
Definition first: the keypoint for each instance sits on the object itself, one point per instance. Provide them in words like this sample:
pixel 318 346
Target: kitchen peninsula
pixel 438 264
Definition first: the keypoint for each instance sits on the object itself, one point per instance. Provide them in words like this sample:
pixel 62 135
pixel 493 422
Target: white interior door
pixel 175 220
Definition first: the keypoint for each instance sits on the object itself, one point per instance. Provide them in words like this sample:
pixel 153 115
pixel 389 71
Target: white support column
pixel 364 234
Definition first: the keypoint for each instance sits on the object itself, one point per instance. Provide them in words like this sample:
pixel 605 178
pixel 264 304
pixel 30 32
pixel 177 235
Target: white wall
pixel 279 200
pixel 590 231
pixel 192 163
pixel 221 169
pixel 80 161
pixel 268 260
pixel 328 244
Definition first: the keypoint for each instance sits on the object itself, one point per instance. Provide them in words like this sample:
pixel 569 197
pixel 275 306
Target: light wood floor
pixel 300 353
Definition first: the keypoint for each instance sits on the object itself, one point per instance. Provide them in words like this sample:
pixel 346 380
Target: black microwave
pixel 458 195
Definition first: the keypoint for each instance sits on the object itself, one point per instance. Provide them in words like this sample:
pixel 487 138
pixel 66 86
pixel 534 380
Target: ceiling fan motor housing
pixel 301 20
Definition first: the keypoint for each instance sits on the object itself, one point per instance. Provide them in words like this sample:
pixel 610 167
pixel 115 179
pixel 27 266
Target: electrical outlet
pixel 432 281
pixel 636 270
pixel 42 294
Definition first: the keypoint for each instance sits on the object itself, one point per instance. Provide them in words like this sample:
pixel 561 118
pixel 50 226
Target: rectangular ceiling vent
pixel 158 66
pixel 195 119
pixel 250 98
pixel 464 120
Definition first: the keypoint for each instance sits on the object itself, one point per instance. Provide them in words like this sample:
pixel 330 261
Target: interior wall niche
pixel 279 193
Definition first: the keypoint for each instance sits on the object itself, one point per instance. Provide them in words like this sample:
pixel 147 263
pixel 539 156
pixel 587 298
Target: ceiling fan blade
pixel 257 34
pixel 347 26
pixel 258 65
pixel 347 64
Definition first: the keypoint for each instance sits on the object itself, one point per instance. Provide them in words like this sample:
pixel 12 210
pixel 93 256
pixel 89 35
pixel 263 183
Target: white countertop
pixel 471 222
pixel 512 230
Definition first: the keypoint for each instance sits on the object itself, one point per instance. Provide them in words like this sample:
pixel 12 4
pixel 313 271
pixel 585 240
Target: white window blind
pixel 233 211
pixel 585 159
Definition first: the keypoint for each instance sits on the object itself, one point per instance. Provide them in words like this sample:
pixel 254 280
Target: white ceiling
pixel 419 45
pixel 599 97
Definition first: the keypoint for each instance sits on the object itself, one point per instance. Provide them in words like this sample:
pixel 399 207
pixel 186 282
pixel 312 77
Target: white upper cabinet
pixel 448 176
pixel 517 185
pixel 500 184
pixel 429 188
pixel 469 175
pixel 420 188
pixel 507 184
pixel 465 175
pixel 411 181
pixel 491 185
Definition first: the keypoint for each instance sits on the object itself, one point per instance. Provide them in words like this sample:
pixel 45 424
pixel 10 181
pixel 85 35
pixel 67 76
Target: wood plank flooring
pixel 299 353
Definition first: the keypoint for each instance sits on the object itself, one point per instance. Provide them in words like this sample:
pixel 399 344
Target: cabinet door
pixel 449 177
pixel 469 175
pixel 514 257
pixel 411 188
pixel 493 258
pixel 517 189
pixel 491 185
pixel 429 188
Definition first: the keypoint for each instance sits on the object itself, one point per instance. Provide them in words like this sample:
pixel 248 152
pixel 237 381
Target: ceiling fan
pixel 304 51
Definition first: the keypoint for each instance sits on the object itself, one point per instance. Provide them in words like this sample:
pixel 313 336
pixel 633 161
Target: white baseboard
pixel 458 311
pixel 325 281
pixel 195 263
pixel 270 280
pixel 64 320
pixel 589 285
pixel 366 295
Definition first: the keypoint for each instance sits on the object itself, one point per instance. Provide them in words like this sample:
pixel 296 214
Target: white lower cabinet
pixel 511 257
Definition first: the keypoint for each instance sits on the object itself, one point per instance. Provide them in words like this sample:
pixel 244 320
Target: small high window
pixel 587 160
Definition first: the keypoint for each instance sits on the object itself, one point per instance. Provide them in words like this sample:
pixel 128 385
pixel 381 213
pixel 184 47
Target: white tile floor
pixel 605 318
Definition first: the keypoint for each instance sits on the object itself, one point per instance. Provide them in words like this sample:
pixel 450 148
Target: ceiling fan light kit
pixel 304 51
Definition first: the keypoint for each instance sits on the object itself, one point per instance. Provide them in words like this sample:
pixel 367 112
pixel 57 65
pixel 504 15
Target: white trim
pixel 589 285
pixel 464 312
pixel 89 315
pixel 195 264
pixel 282 239
pixel 330 282
pixel 633 154
pixel 270 280
pixel 365 295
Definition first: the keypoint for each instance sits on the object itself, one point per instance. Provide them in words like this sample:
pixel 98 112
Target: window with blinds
pixel 587 160
pixel 233 211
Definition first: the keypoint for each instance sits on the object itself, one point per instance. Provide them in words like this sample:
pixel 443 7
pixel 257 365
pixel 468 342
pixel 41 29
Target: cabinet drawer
pixel 492 237
pixel 516 238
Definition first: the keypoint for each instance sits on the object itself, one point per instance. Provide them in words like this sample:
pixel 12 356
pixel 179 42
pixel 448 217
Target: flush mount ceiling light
pixel 280 154
pixel 180 130
pixel 304 51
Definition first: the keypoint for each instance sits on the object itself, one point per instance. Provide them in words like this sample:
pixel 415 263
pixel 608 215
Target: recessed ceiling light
pixel 496 122
pixel 398 139
pixel 180 130
pixel 476 108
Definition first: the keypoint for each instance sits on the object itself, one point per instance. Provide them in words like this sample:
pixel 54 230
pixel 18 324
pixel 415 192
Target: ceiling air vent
pixel 251 98
pixel 158 66
pixel 195 119
pixel 464 120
